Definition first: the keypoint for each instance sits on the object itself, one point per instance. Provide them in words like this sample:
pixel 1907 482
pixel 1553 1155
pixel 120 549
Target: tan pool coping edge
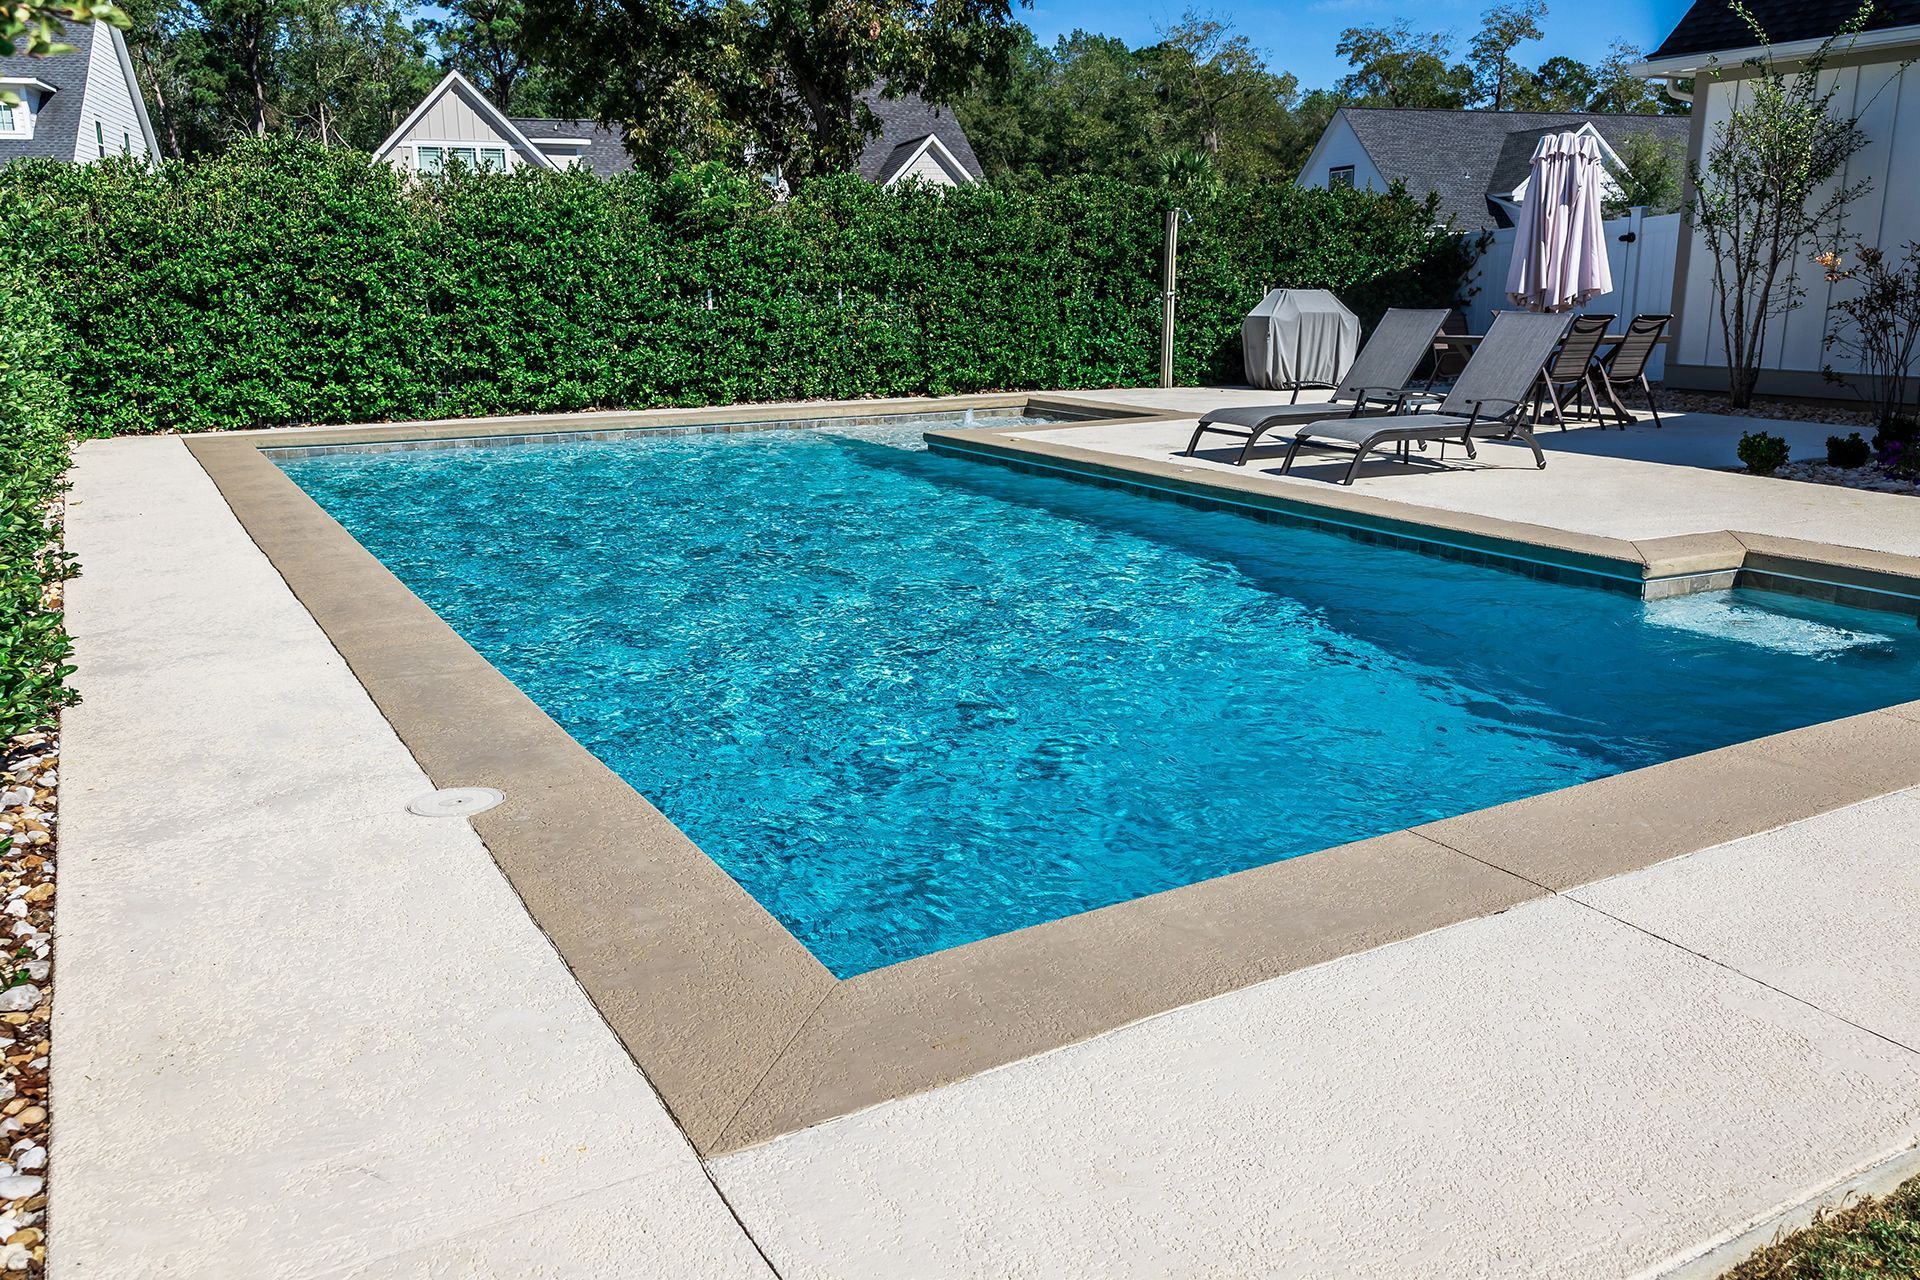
pixel 747 1037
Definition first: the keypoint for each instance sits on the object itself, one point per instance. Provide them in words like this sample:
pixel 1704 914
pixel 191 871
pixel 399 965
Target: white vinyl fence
pixel 1640 249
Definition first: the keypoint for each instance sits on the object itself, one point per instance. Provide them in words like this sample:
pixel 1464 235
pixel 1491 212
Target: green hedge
pixel 281 284
pixel 33 458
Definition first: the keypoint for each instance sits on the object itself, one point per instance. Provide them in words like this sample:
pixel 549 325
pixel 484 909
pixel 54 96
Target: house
pixel 916 140
pixel 1711 46
pixel 1478 162
pixel 458 123
pixel 79 106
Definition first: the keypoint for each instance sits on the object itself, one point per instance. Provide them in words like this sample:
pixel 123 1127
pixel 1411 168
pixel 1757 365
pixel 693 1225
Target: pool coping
pixel 747 1037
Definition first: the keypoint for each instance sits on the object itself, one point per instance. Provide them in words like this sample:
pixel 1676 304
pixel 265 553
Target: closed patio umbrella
pixel 1559 246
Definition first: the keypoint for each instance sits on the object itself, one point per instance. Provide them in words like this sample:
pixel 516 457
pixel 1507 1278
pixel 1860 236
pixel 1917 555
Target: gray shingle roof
pixel 56 131
pixel 604 153
pixel 1712 25
pixel 1464 155
pixel 904 122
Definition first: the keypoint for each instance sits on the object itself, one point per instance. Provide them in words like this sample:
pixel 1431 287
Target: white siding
pixel 928 168
pixel 1642 274
pixel 107 102
pixel 1340 146
pixel 453 118
pixel 1886 98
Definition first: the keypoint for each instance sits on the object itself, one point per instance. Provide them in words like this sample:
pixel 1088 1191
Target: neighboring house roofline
pixel 1685 64
pixel 481 104
pixel 941 153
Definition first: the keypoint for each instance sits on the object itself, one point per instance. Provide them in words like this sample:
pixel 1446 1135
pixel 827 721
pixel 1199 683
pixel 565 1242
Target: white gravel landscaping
pixel 1867 477
pixel 28 775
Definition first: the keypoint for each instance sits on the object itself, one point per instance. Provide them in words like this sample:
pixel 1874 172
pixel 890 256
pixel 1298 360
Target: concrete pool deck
pixel 264 1068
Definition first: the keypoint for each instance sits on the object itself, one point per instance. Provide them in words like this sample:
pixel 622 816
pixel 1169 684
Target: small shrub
pixel 1848 451
pixel 1763 453
pixel 1897 443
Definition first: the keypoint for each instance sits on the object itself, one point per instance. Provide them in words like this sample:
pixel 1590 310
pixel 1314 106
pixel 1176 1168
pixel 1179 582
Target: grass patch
pixel 1868 1238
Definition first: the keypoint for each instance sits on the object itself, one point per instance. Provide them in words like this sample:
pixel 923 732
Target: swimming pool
pixel 910 701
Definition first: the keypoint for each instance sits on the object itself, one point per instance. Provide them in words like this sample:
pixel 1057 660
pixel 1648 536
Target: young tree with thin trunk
pixel 1503 28
pixel 1770 190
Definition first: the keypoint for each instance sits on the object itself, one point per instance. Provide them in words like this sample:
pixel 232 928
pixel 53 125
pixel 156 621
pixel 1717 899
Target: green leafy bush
pixel 1762 453
pixel 1848 451
pixel 33 457
pixel 280 283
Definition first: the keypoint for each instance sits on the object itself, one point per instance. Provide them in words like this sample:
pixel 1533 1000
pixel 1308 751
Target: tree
pixel 1503 28
pixel 486 41
pixel 1650 174
pixel 1393 67
pixel 1771 188
pixel 1559 84
pixel 1187 171
pixel 1618 91
pixel 778 82
pixel 1214 83
pixel 1090 104
pixel 350 73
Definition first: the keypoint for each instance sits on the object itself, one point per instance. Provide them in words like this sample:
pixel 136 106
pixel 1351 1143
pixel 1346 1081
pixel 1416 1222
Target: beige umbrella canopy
pixel 1559 247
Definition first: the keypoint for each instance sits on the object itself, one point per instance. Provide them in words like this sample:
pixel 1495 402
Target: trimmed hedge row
pixel 33 458
pixel 280 283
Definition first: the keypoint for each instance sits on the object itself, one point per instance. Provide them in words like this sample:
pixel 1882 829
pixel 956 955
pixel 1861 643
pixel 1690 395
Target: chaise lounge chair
pixel 1490 398
pixel 1375 383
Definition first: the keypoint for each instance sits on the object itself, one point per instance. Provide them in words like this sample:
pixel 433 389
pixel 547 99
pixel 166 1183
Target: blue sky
pixel 1298 36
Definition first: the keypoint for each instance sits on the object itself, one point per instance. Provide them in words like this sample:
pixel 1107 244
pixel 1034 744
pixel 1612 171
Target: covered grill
pixel 1298 338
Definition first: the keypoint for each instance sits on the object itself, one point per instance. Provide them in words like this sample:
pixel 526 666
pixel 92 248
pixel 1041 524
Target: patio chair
pixel 1570 372
pixel 1449 358
pixel 1626 365
pixel 1375 384
pixel 1489 398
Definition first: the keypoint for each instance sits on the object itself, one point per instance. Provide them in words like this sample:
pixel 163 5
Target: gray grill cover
pixel 1299 338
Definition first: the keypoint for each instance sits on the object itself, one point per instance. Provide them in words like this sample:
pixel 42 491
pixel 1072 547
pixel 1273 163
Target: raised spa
pixel 910 701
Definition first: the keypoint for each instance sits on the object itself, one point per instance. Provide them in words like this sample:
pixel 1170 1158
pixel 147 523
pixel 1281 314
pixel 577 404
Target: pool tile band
pixel 747 1037
pixel 1655 569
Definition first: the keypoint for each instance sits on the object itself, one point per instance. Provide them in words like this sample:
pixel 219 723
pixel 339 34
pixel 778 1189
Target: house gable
pixel 1457 154
pixel 77 105
pixel 455 116
pixel 113 114
pixel 927 159
pixel 1338 150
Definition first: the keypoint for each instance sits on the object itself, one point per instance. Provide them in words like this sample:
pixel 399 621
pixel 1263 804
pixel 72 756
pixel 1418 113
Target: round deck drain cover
pixel 455 802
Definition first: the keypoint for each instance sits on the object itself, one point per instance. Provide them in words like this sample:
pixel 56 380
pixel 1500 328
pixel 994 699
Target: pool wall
pixel 1653 569
pixel 747 1036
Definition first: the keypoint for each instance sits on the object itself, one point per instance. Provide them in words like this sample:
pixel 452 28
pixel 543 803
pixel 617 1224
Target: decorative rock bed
pixel 1867 477
pixel 28 776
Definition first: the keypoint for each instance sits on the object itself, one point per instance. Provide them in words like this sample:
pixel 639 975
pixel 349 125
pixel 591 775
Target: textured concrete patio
pixel 1644 482
pixel 302 1032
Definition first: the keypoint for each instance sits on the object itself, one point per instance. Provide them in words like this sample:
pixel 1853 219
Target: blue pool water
pixel 910 701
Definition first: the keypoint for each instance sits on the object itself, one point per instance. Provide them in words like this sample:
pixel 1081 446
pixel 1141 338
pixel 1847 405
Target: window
pixel 126 144
pixel 1340 176
pixel 9 123
pixel 437 159
pixel 100 139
